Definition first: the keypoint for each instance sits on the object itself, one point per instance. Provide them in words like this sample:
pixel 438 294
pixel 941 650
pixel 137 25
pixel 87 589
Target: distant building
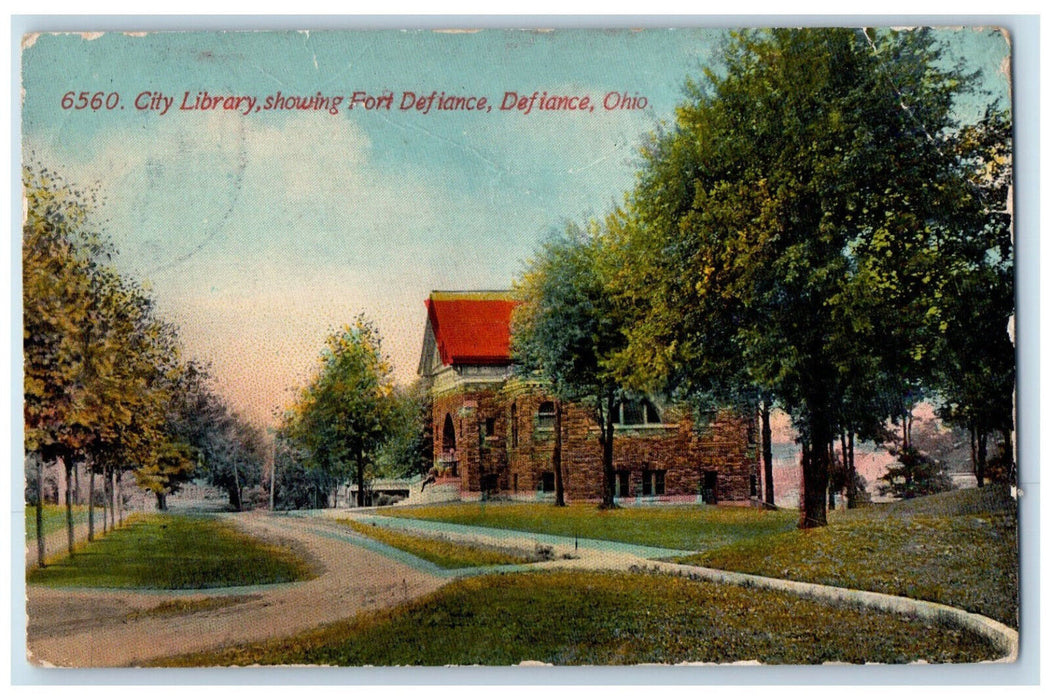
pixel 495 433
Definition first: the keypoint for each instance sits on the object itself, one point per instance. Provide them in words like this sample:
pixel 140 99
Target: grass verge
pixel 174 552
pixel 959 548
pixel 441 551
pixel 178 607
pixel 691 528
pixel 54 518
pixel 573 618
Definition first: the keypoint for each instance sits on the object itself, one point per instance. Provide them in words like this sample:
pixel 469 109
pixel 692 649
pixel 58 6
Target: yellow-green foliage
pixel 573 618
pixel 440 551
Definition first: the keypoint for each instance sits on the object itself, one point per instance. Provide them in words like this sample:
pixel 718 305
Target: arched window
pixel 448 435
pixel 636 412
pixel 545 415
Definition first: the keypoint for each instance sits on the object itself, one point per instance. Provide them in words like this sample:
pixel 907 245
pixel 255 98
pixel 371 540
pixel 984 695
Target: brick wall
pixel 683 454
pixel 478 454
pixel 486 419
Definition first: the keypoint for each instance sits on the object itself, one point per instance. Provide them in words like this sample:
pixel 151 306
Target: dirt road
pixel 96 628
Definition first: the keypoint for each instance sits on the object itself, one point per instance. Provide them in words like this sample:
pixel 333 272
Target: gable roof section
pixel 472 328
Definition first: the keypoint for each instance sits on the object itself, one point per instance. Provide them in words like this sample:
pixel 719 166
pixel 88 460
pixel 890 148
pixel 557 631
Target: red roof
pixel 472 328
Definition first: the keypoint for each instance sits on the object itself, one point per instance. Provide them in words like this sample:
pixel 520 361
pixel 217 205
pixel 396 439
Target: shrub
pixel 914 474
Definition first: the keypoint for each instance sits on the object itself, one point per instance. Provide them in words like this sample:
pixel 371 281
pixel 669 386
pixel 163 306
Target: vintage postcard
pixel 519 347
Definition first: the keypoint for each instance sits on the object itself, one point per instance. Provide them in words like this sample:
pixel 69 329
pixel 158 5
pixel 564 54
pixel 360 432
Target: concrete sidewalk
pixel 561 546
pixel 606 555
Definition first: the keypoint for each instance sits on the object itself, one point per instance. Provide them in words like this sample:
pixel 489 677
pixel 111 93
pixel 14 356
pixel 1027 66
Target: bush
pixel 914 474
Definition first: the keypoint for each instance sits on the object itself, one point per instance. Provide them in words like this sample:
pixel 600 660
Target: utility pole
pixel 273 471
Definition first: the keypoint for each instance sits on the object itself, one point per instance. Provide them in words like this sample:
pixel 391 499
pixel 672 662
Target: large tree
pixel 344 415
pixel 976 369
pixel 787 233
pixel 566 332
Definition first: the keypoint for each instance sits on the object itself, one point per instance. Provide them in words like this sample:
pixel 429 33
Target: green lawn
pixel 692 528
pixel 959 548
pixel 573 618
pixel 441 551
pixel 174 552
pixel 55 519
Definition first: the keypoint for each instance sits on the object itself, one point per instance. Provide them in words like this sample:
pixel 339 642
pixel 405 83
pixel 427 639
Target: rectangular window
pixel 545 415
pixel 490 426
pixel 709 487
pixel 547 482
pixel 653 482
pixel 632 413
pixel 621 484
pixel 514 425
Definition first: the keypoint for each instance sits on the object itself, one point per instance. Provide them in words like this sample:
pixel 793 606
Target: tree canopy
pixel 344 414
pixel 103 372
pixel 798 228
pixel 566 331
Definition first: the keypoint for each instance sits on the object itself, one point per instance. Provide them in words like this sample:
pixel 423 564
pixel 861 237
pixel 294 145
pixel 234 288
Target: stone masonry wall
pixel 486 419
pixel 725 446
pixel 477 453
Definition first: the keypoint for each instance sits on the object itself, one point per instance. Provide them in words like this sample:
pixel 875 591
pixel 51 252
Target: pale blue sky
pixel 260 233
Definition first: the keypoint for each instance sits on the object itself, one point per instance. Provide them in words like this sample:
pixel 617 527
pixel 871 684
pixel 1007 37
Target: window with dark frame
pixel 653 482
pixel 636 412
pixel 547 482
pixel 545 415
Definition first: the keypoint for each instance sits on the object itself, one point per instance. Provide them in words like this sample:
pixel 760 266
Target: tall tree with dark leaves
pixel 788 233
pixel 566 332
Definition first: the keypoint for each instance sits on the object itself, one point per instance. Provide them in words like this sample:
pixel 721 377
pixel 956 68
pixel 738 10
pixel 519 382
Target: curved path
pixel 102 628
pixel 107 628
pixel 601 554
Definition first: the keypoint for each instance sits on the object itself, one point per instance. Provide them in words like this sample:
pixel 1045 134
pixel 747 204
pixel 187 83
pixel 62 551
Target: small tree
pixel 408 448
pixel 345 414
pixel 914 474
pixel 566 333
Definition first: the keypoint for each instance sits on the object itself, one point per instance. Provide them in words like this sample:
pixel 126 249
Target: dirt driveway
pixel 96 628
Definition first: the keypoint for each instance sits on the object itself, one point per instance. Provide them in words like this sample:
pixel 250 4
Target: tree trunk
pixel 273 473
pixel 556 457
pixel 105 500
pixel 361 478
pixel 40 511
pixel 815 474
pixel 91 505
pixel 67 464
pixel 979 471
pixel 115 510
pixel 1009 455
pixel 162 500
pixel 768 454
pixel 852 479
pixel 607 454
pixel 831 460
pixel 76 485
pixel 235 495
